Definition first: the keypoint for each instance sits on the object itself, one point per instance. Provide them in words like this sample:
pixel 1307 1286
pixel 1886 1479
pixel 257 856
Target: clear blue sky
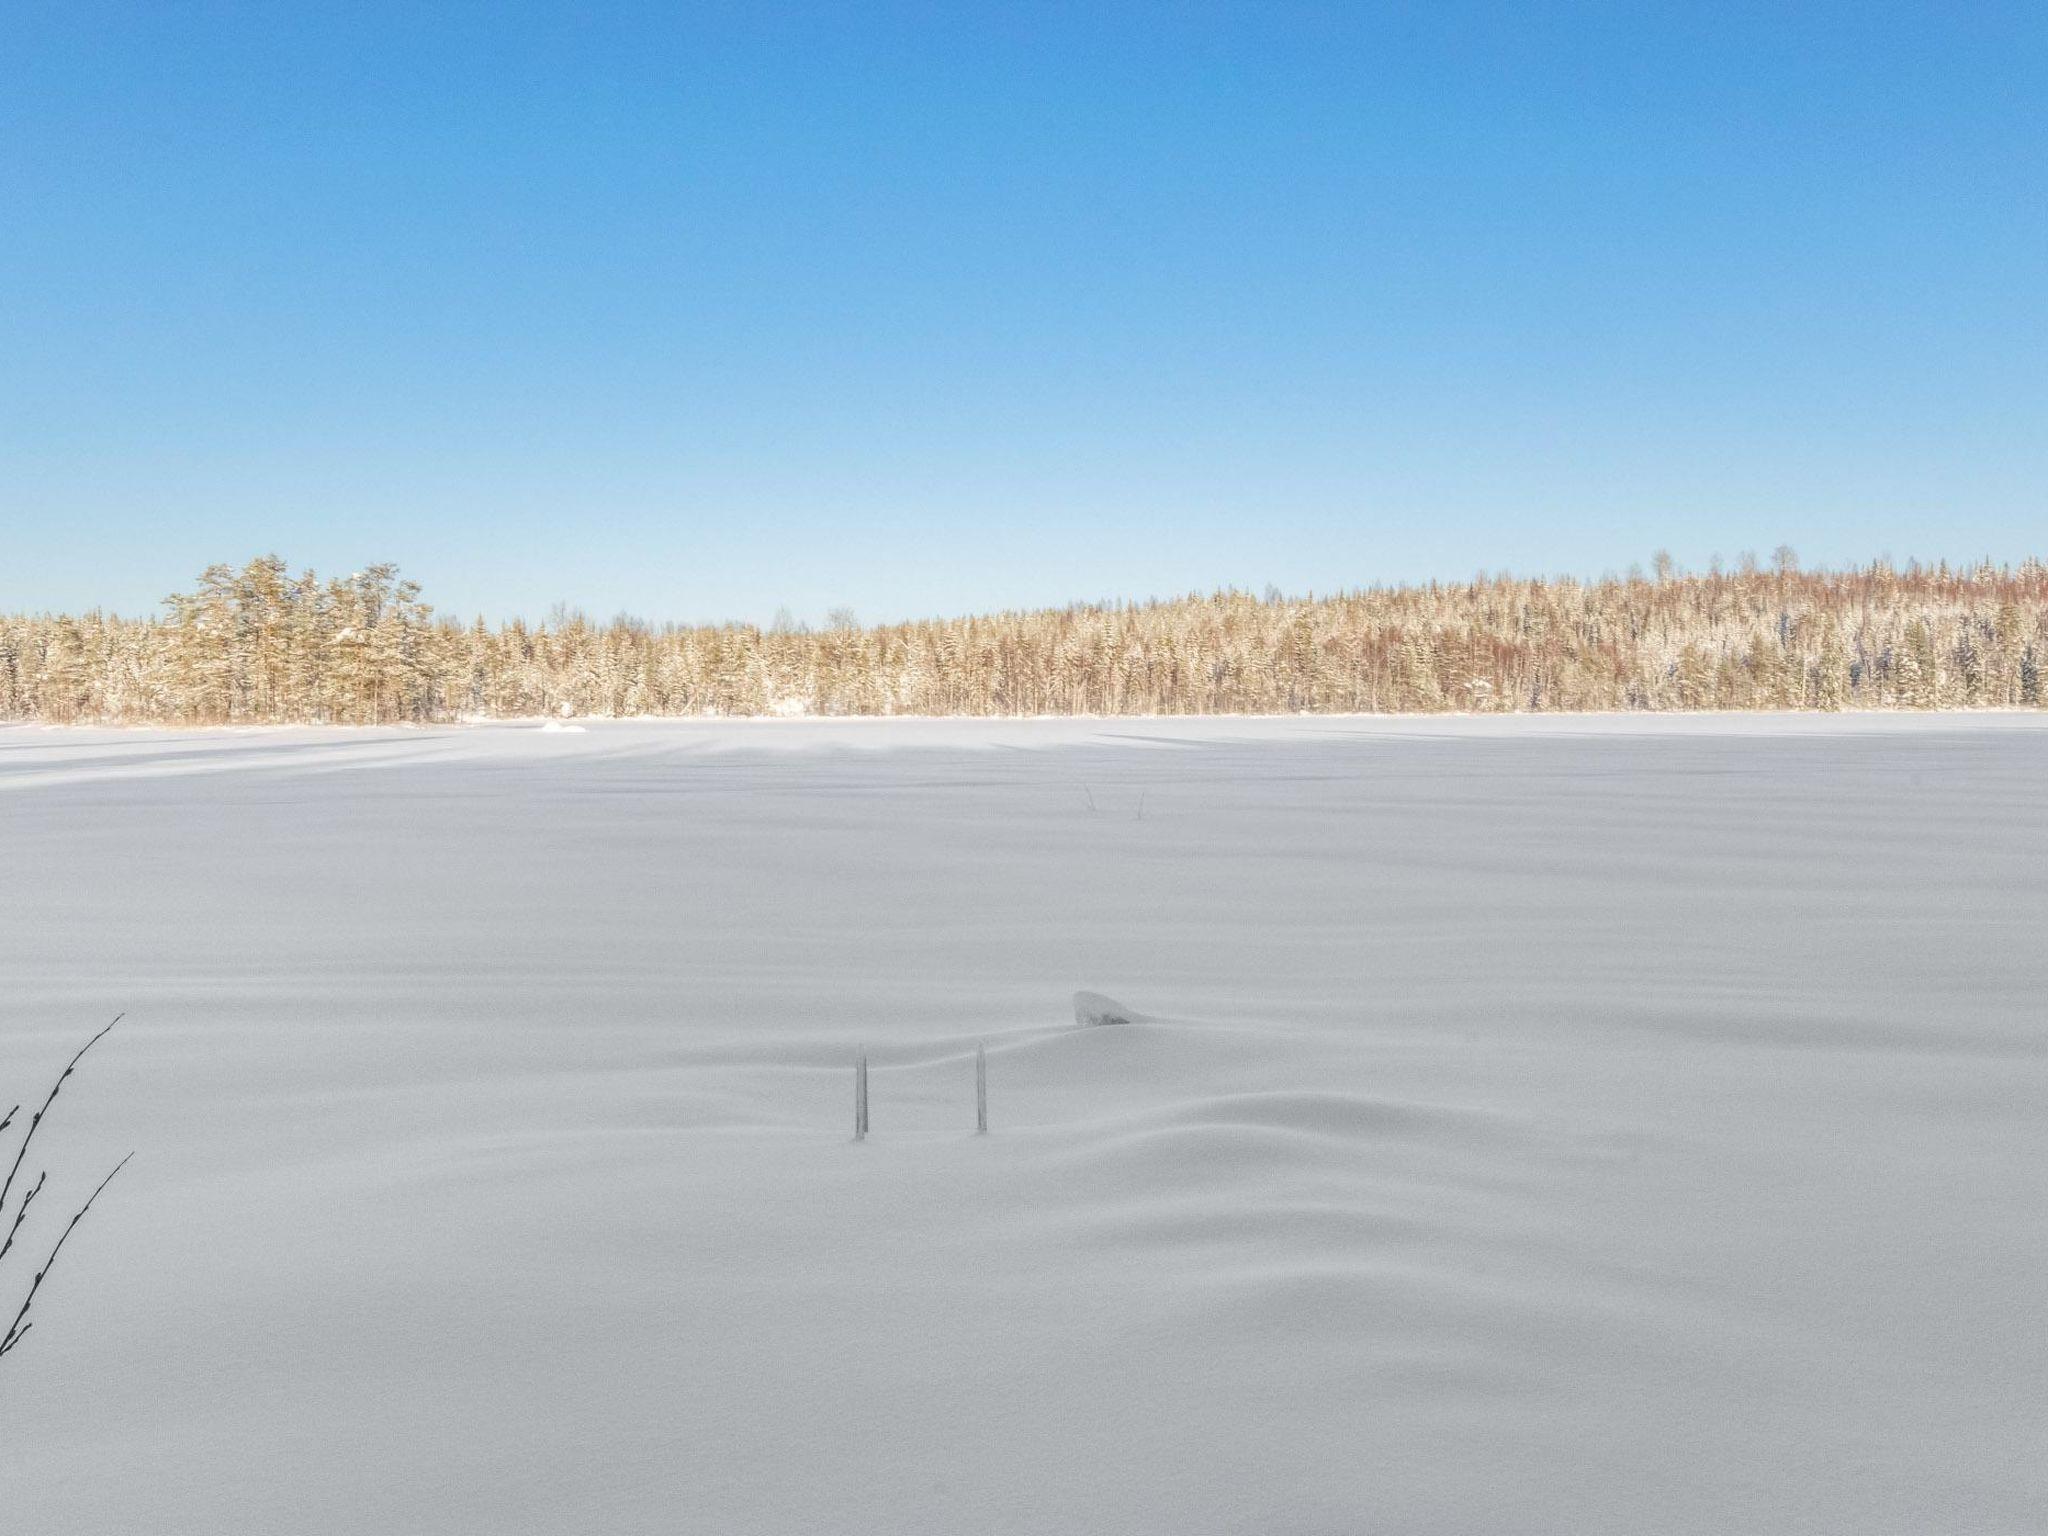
pixel 699 310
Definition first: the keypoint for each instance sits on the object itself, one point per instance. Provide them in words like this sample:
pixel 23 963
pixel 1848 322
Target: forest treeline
pixel 259 644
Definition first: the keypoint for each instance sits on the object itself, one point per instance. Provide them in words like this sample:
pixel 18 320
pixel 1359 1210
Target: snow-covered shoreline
pixel 69 751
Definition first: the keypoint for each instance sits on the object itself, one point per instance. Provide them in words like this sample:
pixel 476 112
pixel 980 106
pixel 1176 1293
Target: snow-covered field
pixel 1541 1125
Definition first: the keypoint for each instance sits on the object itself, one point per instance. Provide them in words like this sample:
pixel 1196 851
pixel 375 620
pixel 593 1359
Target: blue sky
pixel 701 310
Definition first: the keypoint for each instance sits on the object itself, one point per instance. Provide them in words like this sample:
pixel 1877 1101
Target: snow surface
pixel 1561 1125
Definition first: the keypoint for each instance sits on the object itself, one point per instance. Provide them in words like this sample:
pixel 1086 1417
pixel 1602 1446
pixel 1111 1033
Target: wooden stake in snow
pixel 981 1090
pixel 860 1097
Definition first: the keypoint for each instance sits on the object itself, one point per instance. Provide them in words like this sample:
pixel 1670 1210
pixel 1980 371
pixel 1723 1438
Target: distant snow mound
pixel 556 725
pixel 1094 1008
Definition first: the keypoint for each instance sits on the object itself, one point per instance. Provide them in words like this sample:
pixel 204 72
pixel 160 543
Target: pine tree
pixel 257 644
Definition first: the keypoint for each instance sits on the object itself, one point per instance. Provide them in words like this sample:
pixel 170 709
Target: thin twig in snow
pixel 21 1215
pixel 55 1089
pixel 860 1097
pixel 18 1329
pixel 981 1090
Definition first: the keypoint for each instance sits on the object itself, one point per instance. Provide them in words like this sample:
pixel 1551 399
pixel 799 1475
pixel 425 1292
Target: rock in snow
pixel 1094 1008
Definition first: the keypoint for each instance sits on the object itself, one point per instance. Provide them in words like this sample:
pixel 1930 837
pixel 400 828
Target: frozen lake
pixel 1540 1125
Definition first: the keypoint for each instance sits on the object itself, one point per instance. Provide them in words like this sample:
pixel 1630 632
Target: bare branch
pixel 55 1088
pixel 19 1328
pixel 27 1199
